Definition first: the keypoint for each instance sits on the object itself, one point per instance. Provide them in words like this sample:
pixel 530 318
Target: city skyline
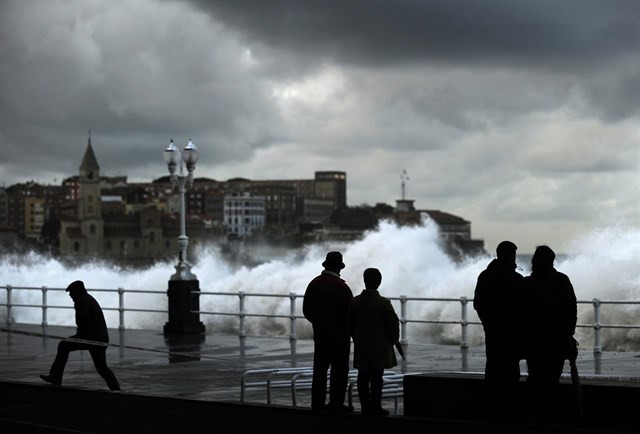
pixel 520 116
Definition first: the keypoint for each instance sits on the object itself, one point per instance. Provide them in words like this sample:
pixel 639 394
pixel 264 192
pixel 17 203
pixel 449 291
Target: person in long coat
pixel 551 316
pixel 91 326
pixel 325 306
pixel 497 299
pixel 375 329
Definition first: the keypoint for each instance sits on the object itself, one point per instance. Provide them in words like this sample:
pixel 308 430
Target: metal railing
pixel 293 315
pixel 297 379
pixel 45 307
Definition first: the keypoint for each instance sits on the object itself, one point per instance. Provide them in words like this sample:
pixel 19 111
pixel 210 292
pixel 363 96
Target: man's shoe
pixel 51 379
pixel 379 412
pixel 340 408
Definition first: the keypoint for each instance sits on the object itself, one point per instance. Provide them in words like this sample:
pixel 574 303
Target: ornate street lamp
pixel 183 293
pixel 189 158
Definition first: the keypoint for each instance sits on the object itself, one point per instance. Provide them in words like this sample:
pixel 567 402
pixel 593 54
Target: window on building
pixel 152 237
pixel 108 244
pixel 76 246
pixel 92 229
pixel 167 243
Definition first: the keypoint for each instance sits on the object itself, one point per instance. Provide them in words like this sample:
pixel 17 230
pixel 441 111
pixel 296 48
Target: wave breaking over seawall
pixel 602 264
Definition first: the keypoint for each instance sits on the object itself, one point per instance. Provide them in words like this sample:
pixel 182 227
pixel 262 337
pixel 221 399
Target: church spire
pixel 89 162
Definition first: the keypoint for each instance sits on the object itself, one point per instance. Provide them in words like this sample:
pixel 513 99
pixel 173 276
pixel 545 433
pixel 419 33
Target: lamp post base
pixel 182 303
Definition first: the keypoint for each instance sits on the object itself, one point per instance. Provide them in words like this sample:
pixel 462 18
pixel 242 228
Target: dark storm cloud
pixel 530 33
pixel 132 72
pixel 565 38
pixel 506 112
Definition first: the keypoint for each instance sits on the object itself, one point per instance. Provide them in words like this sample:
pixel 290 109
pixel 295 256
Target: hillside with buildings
pixel 95 216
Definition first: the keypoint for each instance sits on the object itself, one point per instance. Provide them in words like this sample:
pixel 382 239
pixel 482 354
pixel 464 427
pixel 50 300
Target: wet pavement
pixel 210 368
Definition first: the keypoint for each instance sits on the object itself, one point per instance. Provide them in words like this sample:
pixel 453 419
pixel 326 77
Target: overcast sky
pixel 520 116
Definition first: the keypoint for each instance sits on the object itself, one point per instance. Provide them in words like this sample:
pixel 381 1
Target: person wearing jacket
pixel 550 294
pixel 497 300
pixel 375 329
pixel 91 326
pixel 325 306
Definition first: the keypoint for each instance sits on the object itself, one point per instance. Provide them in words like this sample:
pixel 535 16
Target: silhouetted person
pixel 497 301
pixel 325 305
pixel 375 329
pixel 550 317
pixel 91 326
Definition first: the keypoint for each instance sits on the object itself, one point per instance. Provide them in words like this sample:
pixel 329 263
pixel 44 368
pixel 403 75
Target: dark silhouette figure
pixel 375 329
pixel 325 305
pixel 497 301
pixel 551 315
pixel 91 326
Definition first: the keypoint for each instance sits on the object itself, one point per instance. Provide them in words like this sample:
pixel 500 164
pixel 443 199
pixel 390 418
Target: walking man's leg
pixel 57 368
pixel 99 356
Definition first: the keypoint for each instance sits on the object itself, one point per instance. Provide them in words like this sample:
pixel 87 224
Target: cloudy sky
pixel 520 116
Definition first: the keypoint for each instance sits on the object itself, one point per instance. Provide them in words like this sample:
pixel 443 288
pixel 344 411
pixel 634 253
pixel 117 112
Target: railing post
pixel 44 306
pixel 464 322
pixel 121 308
pixel 597 346
pixel 242 332
pixel 9 310
pixel 403 321
pixel 293 337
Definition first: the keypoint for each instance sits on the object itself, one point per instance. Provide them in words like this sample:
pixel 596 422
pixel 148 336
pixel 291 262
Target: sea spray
pixel 602 265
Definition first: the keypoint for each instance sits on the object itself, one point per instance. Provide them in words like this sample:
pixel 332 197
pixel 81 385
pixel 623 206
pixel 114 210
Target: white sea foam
pixel 603 264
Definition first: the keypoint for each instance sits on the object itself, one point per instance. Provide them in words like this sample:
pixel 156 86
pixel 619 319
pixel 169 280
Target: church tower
pixel 89 206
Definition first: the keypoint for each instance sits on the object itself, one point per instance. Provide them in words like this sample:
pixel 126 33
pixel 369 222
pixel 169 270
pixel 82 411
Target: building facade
pixel 244 214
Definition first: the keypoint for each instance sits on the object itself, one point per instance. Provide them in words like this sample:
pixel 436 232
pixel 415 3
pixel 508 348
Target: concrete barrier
pixel 607 405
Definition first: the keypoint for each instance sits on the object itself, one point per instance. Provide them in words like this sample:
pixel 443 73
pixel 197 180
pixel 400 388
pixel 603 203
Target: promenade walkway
pixel 151 365
pixel 205 377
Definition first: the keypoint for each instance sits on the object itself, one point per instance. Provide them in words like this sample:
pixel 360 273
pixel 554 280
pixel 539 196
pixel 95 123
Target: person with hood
pixel 549 339
pixel 91 326
pixel 375 329
pixel 497 300
pixel 325 306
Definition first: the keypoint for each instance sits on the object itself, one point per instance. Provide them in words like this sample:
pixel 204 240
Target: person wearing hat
pixel 497 301
pixel 325 305
pixel 91 326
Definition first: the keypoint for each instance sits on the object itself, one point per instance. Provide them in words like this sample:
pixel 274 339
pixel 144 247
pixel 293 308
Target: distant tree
pixel 355 218
pixel 50 231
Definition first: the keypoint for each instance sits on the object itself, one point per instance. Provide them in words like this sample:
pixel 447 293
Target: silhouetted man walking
pixel 91 326
pixel 375 329
pixel 551 317
pixel 497 302
pixel 325 305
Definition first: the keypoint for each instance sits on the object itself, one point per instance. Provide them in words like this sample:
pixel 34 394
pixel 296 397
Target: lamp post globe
pixel 172 157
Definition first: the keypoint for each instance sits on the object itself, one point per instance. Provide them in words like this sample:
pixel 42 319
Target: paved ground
pixel 150 365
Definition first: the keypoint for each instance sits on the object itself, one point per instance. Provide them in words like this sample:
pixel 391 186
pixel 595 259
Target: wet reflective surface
pixel 210 367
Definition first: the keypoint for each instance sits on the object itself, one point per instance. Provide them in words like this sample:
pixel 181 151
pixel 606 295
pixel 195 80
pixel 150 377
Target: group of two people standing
pixel 336 317
pixel 529 318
